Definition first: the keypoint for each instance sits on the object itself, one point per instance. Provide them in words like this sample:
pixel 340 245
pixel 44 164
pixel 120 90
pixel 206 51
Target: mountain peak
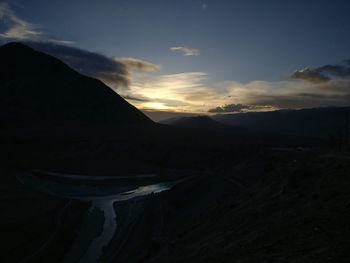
pixel 15 47
pixel 18 45
pixel 38 87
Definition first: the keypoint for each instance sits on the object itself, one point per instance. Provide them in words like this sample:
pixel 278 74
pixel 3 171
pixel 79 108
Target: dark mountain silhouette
pixel 316 122
pixel 198 122
pixel 38 88
pixel 54 118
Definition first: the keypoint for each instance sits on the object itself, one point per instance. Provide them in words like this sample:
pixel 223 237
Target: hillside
pixel 198 122
pixel 39 89
pixel 316 122
pixel 57 119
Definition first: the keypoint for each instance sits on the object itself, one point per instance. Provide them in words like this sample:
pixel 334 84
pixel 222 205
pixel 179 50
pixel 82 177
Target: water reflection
pixel 99 224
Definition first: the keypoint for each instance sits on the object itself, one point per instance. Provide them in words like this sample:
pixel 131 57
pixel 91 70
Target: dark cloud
pixel 232 108
pixel 324 73
pixel 332 88
pixel 341 70
pixel 113 72
pixel 312 75
pixel 88 63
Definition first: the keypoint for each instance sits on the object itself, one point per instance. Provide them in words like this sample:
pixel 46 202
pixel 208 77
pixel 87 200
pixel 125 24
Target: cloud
pixel 116 73
pixel 139 65
pixel 93 64
pixel 324 73
pixel 113 72
pixel 312 75
pixel 291 94
pixel 170 91
pixel 190 92
pixel 135 98
pixel 340 70
pixel 186 51
pixel 13 27
pixel 235 108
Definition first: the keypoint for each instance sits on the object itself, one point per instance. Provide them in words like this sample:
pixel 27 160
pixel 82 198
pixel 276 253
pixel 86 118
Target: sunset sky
pixel 193 56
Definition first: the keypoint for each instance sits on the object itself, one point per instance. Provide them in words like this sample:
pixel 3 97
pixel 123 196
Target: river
pixel 100 222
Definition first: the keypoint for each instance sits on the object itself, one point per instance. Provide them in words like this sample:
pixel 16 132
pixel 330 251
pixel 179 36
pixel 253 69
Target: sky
pixel 197 56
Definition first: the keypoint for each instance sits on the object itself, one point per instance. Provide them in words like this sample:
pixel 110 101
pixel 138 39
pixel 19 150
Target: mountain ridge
pixel 36 86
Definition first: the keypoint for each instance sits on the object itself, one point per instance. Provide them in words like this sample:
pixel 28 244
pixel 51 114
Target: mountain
pixel 198 122
pixel 53 117
pixel 38 88
pixel 56 119
pixel 315 122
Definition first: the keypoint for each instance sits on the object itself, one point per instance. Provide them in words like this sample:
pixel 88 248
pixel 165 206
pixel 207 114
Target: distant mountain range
pixel 316 122
pixel 199 122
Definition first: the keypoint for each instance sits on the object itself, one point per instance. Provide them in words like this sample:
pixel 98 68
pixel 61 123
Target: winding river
pixel 100 222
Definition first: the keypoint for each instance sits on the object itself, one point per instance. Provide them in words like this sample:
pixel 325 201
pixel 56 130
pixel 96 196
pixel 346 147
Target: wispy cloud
pixel 109 70
pixel 169 91
pixel 190 92
pixel 186 51
pixel 14 27
pixel 287 94
pixel 139 65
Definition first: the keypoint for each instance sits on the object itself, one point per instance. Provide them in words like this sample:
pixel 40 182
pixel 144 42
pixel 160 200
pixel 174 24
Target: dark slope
pixel 39 88
pixel 53 118
pixel 252 133
pixel 295 209
pixel 317 122
pixel 198 122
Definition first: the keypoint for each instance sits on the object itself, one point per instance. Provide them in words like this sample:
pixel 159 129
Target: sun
pixel 154 106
